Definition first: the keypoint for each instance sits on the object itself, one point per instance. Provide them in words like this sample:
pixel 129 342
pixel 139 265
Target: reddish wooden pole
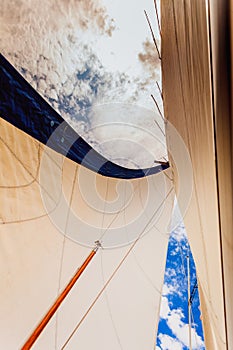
pixel 31 340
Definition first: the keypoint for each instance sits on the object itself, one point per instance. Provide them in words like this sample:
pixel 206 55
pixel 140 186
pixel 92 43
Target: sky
pixel 173 332
pixel 79 55
pixel 89 54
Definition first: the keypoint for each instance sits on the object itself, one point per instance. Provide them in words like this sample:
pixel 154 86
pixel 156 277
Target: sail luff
pixel 196 91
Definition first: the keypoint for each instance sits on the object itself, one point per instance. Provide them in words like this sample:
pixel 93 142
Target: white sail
pixel 195 53
pixel 37 260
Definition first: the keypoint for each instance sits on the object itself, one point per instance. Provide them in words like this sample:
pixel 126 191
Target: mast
pixel 189 304
pixel 43 323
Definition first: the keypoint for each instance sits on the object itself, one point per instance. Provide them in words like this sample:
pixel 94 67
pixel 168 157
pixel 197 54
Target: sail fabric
pixel 196 101
pixel 22 106
pixel 52 212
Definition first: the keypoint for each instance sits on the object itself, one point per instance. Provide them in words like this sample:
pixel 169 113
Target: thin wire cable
pixel 170 178
pixel 135 257
pixel 113 274
pixel 184 272
pixel 152 34
pixel 157 16
pixel 38 183
pixel 160 91
pixel 63 250
pixel 160 113
pixel 159 127
pixel 108 305
pixel 102 273
pixel 25 168
pixel 104 208
pixel 37 168
pixel 118 212
pixel 194 326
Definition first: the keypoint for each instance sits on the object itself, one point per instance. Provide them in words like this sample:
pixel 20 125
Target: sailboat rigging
pixel 59 196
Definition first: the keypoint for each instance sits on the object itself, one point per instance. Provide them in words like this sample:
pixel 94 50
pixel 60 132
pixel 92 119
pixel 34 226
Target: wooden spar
pixel 35 334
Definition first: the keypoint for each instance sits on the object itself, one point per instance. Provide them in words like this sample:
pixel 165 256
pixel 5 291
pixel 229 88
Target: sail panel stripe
pixel 24 108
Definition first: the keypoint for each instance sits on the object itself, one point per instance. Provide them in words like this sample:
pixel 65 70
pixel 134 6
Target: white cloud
pixel 170 272
pixel 179 233
pixel 174 321
pixel 165 308
pixel 169 343
pixel 169 289
pixel 54 45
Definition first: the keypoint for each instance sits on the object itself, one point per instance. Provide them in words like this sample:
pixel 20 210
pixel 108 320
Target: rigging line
pixel 112 275
pixel 63 249
pixel 157 16
pixel 160 113
pixel 111 222
pixel 34 178
pixel 193 321
pixel 170 178
pixel 135 257
pixel 195 328
pixel 47 213
pixel 159 127
pixel 28 171
pixel 103 279
pixel 118 212
pixel 189 308
pixel 104 208
pixel 108 304
pixel 160 91
pixel 184 272
pixel 160 162
pixel 193 292
pixel 152 34
pixel 23 165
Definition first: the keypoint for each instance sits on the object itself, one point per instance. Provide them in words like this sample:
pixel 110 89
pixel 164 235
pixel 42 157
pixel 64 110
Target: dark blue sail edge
pixel 24 108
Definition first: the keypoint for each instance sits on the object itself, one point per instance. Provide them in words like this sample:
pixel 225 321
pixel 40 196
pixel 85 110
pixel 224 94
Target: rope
pixel 63 250
pixel 152 34
pixel 157 16
pixel 122 207
pixel 160 113
pixel 113 274
pixel 160 91
pixel 108 305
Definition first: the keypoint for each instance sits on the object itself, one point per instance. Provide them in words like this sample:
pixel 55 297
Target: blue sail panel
pixel 24 108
